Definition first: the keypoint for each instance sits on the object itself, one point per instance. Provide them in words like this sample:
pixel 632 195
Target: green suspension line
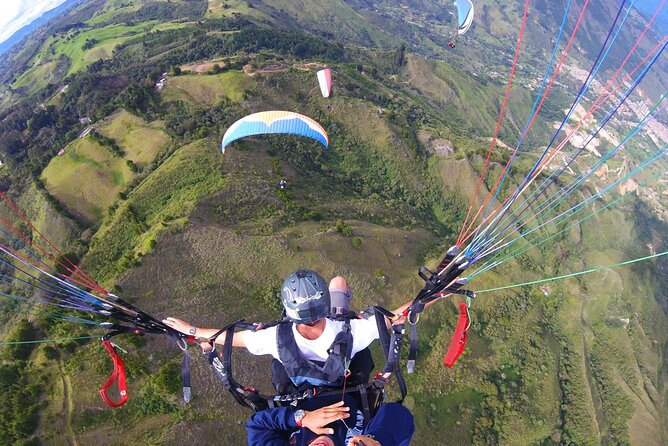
pixel 39 341
pixel 580 273
pixel 534 242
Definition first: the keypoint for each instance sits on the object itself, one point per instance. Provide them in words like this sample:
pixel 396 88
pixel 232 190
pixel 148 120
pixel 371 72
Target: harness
pixel 305 373
pixel 310 379
pixel 331 373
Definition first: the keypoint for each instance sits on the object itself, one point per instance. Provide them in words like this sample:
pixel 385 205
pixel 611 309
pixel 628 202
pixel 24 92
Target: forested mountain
pixel 112 116
pixel 32 26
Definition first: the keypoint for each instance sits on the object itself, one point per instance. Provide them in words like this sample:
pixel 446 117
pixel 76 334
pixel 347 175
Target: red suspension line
pixel 498 123
pixel 533 118
pixel 83 278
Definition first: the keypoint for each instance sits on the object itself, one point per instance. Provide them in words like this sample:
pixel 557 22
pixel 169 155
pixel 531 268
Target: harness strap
pixel 249 397
pixel 117 376
pixel 365 391
pixel 340 347
pixel 386 343
pixel 222 365
pixel 459 338
pixel 185 376
pixel 185 363
pixel 365 403
pixel 412 353
pixel 394 354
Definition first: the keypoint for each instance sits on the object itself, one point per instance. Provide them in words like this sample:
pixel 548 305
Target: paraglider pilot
pixel 306 334
pixel 305 338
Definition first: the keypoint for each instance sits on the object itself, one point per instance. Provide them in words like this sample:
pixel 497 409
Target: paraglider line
pixel 76 270
pixel 466 228
pixel 575 183
pixel 583 89
pixel 580 273
pixel 534 242
pixel 535 111
pixel 503 207
pixel 40 341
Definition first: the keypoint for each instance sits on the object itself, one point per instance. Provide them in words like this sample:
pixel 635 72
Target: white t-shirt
pixel 263 342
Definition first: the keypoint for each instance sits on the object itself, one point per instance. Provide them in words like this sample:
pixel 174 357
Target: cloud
pixel 15 14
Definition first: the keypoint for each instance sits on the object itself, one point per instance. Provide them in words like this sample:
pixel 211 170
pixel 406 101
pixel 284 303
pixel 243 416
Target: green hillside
pixel 152 209
pixel 141 142
pixel 87 178
pixel 208 90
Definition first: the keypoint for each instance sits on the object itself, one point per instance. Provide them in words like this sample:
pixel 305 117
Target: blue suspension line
pixel 578 207
pixel 539 95
pixel 564 192
pixel 580 96
pixel 583 90
pixel 534 242
pixel 475 245
pixel 68 288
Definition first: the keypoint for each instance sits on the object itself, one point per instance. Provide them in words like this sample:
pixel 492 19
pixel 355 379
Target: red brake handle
pixel 117 376
pixel 458 342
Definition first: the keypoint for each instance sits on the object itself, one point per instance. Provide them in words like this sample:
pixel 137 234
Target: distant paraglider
pixel 464 19
pixel 464 15
pixel 325 82
pixel 279 122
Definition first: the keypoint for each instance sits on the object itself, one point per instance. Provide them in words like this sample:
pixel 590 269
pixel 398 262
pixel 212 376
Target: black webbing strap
pixel 386 343
pixel 246 395
pixel 185 376
pixel 394 355
pixel 185 364
pixel 222 365
pixel 365 403
pixel 343 346
pixel 366 391
pixel 383 335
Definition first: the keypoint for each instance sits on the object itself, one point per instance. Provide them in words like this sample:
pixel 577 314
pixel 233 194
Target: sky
pixel 15 14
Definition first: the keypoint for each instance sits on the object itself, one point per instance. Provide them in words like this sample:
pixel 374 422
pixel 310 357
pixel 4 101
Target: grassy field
pixel 207 90
pixel 466 103
pixel 141 141
pixel 87 179
pixel 224 8
pixel 37 76
pixel 112 8
pixel 71 44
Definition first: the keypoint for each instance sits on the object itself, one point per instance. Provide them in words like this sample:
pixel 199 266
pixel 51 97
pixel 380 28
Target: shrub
pixel 50 352
pixel 24 331
pixel 343 228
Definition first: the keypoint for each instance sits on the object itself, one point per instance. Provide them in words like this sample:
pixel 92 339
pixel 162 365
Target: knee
pixel 338 282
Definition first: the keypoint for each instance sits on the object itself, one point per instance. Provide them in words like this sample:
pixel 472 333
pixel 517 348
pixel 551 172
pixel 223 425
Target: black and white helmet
pixel 305 297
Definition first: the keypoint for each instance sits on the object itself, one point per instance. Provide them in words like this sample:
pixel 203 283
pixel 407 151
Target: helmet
pixel 305 297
